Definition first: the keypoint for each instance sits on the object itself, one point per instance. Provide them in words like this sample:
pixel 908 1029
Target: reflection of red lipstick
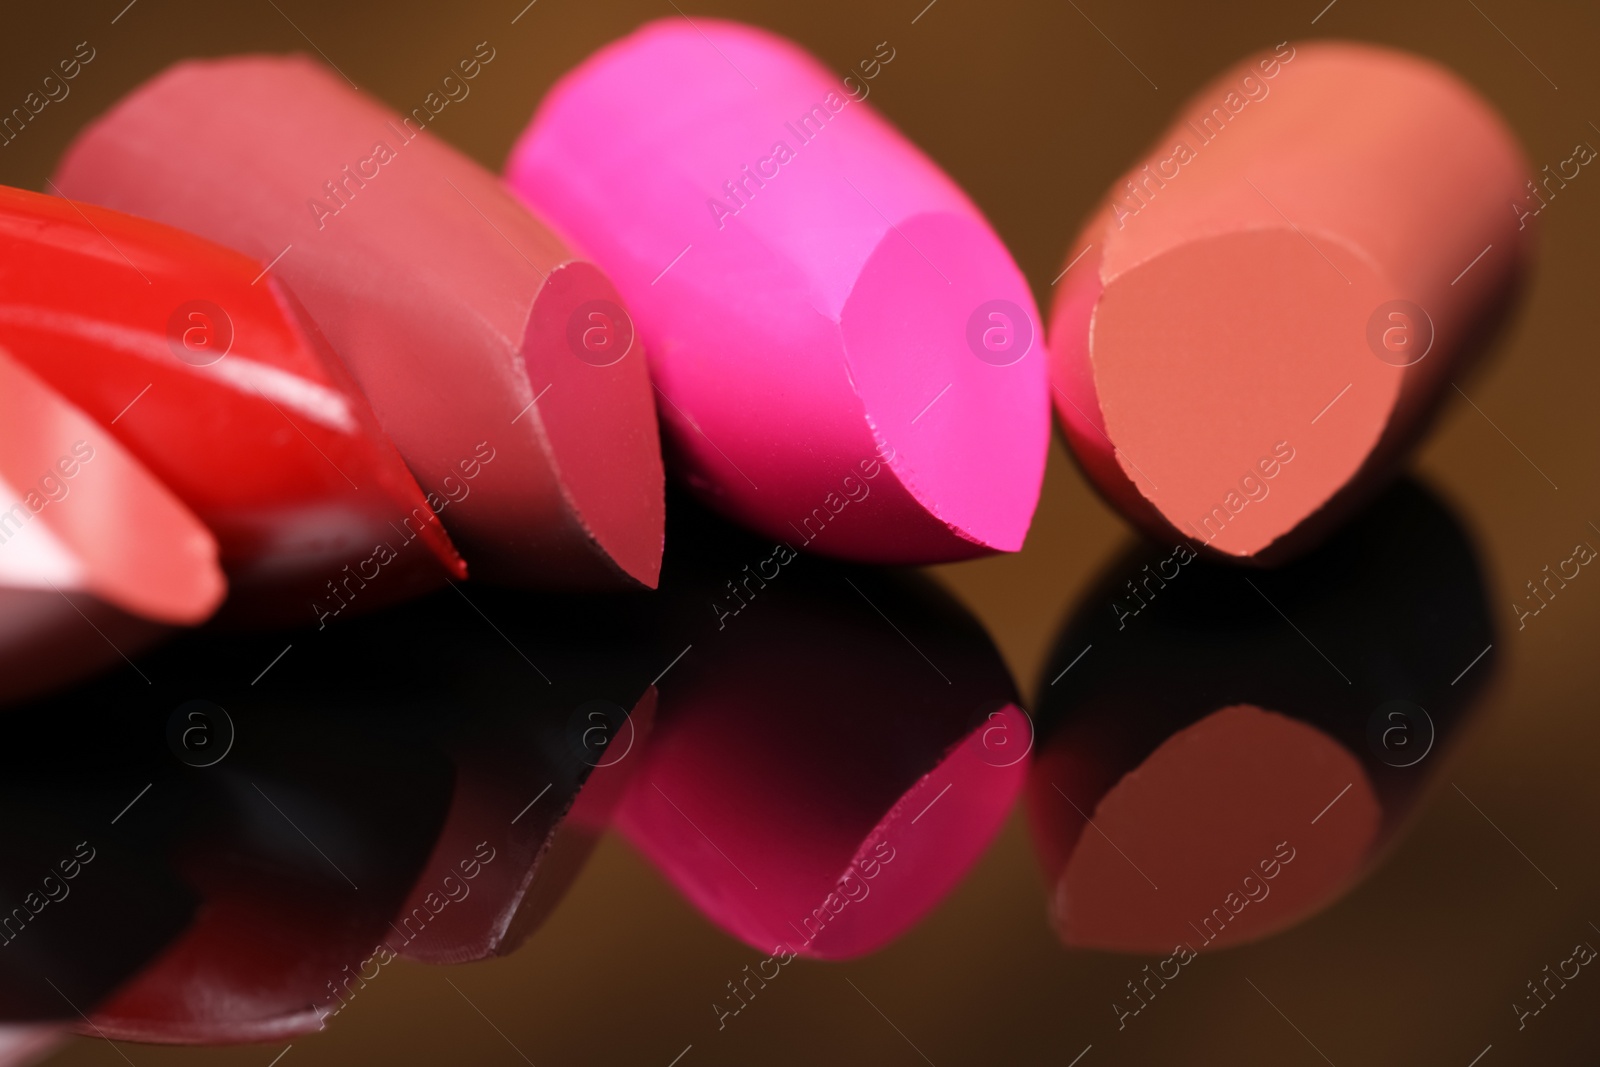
pixel 21 1045
pixel 87 911
pixel 1253 778
pixel 366 813
pixel 816 781
pixel 89 540
pixel 288 932
pixel 472 329
pixel 1269 307
pixel 208 372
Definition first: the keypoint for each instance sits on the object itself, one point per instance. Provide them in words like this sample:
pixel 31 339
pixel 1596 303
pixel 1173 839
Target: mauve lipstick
pixel 473 330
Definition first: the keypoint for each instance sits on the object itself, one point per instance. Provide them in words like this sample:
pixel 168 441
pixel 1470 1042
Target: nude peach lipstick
pixel 1265 311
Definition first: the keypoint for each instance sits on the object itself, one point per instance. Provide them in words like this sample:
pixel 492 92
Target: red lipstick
pixel 206 371
pixel 97 557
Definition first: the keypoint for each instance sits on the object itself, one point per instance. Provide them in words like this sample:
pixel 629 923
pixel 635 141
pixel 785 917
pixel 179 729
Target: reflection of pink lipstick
pixel 474 332
pixel 827 315
pixel 1269 306
pixel 813 783
pixel 89 539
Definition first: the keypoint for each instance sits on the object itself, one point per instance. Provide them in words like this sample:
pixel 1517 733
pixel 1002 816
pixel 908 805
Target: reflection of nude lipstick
pixel 837 316
pixel 1254 777
pixel 1268 309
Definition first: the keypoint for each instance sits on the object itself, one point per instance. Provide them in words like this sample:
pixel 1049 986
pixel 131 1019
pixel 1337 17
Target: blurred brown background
pixel 1033 110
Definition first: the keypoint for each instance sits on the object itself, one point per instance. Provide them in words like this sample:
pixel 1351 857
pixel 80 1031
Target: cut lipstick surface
pixel 1269 307
pixel 206 370
pixel 88 538
pixel 1250 781
pixel 827 316
pixel 501 365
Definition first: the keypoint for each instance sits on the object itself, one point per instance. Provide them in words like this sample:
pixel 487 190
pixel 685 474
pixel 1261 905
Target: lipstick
pixel 473 330
pixel 827 761
pixel 1255 777
pixel 98 558
pixel 207 371
pixel 1265 312
pixel 843 351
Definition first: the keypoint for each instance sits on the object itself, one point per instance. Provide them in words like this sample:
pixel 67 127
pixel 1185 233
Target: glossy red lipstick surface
pixel 205 369
pixel 89 539
pixel 469 325
pixel 1269 307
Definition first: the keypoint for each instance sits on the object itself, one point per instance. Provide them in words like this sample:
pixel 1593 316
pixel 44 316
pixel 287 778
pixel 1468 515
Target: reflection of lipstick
pixel 838 320
pixel 465 321
pixel 85 912
pixel 530 788
pixel 826 766
pixel 1269 308
pixel 21 1045
pixel 1210 773
pixel 364 811
pixel 80 517
pixel 301 845
pixel 211 376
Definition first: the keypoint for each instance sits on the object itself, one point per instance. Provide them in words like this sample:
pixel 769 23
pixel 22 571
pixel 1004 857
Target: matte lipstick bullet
pixel 474 331
pixel 1270 306
pixel 843 350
